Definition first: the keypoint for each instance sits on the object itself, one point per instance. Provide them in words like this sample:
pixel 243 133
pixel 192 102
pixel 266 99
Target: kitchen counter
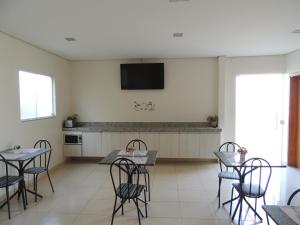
pixel 143 127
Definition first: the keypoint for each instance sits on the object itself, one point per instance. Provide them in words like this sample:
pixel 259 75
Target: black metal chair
pixel 292 196
pixel 40 165
pixel 225 172
pixel 141 145
pixel 255 174
pixel 125 178
pixel 8 180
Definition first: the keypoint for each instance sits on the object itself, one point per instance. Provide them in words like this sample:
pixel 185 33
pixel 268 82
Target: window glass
pixel 36 95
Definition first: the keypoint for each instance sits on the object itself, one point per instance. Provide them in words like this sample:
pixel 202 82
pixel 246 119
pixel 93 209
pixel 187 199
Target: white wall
pixel 293 62
pixel 190 94
pixel 16 55
pixel 194 88
pixel 229 68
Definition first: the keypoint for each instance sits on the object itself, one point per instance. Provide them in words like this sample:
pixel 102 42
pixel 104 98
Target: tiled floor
pixel 182 194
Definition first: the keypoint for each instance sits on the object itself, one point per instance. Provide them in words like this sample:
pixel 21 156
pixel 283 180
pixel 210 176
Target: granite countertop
pixel 143 127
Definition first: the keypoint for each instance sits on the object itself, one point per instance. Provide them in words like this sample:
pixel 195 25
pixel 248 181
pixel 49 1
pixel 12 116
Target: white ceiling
pixel 107 29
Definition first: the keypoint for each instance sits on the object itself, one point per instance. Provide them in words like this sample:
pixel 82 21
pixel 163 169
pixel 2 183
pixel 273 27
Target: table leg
pixel 36 194
pixel 13 195
pixel 229 201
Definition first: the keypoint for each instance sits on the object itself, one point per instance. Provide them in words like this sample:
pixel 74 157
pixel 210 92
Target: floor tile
pixel 165 209
pixel 196 210
pixel 182 194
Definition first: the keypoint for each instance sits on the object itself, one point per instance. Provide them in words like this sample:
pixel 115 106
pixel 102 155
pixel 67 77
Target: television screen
pixel 142 76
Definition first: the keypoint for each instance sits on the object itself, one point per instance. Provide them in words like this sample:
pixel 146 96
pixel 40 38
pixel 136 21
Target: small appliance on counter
pixel 70 121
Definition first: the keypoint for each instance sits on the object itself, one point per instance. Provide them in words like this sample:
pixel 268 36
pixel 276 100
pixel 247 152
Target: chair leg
pixel 219 191
pixel 145 198
pixel 145 178
pixel 241 208
pixel 23 194
pixel 136 202
pixel 251 207
pixel 255 209
pixel 148 187
pixel 114 211
pixel 266 213
pixel 50 181
pixel 19 192
pixel 236 208
pixel 122 202
pixel 7 199
pixel 231 201
pixel 35 187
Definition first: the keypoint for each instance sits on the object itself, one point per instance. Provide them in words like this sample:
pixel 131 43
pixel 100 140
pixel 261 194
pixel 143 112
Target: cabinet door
pixel 91 144
pixel 128 136
pixel 151 139
pixel 208 144
pixel 110 141
pixel 73 150
pixel 189 145
pixel 168 145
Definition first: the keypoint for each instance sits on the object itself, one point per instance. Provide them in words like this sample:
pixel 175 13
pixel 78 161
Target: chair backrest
pixel 292 196
pixel 3 164
pixel 6 167
pixel 228 147
pixel 138 144
pixel 255 172
pixel 124 171
pixel 44 159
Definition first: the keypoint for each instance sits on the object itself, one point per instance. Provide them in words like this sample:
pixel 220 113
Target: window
pixel 36 96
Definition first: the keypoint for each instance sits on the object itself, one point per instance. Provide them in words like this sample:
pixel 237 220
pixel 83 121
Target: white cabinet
pixel 151 139
pixel 128 136
pixel 208 144
pixel 189 145
pixel 91 144
pixel 110 141
pixel 168 145
pixel 73 150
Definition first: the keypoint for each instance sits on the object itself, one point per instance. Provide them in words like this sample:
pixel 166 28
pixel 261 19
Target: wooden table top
pixel 151 158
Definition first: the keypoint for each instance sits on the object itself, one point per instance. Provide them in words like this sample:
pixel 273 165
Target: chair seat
pixel 129 190
pixel 142 170
pixel 11 180
pixel 35 170
pixel 255 191
pixel 229 175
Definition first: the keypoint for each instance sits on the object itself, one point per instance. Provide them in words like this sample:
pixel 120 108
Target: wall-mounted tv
pixel 142 76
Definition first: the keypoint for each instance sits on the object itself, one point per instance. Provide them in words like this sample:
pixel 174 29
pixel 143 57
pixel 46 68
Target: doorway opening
pixel 262 114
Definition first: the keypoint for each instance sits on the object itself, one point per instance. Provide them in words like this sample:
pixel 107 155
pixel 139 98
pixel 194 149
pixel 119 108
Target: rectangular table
pixel 151 158
pixel 278 215
pixel 23 154
pixel 23 157
pixel 232 159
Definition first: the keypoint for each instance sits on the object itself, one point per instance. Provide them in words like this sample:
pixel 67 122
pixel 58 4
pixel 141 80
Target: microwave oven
pixel 73 138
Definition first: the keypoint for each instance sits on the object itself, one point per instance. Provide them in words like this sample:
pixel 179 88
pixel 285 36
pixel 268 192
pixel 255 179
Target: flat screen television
pixel 142 76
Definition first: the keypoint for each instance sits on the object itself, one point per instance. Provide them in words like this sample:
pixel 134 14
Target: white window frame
pixel 53 98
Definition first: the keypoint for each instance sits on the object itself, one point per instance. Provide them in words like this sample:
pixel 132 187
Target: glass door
pixel 262 114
